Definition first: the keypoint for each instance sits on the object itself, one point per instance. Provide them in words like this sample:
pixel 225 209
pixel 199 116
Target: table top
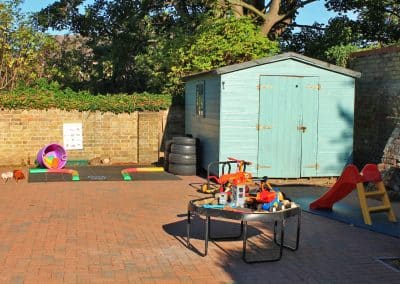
pixel 239 213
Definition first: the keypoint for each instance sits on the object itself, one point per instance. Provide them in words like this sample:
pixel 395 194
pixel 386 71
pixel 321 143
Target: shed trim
pixel 276 58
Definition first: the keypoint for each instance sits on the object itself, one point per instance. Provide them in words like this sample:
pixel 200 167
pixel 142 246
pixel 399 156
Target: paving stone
pixel 137 234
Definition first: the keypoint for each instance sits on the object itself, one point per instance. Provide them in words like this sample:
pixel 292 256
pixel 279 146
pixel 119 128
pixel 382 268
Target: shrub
pixel 44 95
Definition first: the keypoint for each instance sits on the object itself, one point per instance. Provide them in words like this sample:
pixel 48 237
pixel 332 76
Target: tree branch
pixel 308 27
pixel 248 6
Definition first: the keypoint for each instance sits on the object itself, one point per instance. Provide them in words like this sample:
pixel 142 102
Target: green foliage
pixel 224 42
pixel 373 23
pixel 118 43
pixel 216 43
pixel 316 40
pixel 135 46
pixel 377 21
pixel 339 54
pixel 44 95
pixel 23 51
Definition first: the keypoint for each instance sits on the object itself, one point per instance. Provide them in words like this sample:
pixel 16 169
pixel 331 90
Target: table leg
pixel 188 229
pixel 207 222
pixel 293 248
pixel 244 240
pixel 207 225
pixel 261 260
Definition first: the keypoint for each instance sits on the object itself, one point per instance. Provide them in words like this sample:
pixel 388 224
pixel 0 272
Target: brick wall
pixel 377 92
pixel 124 138
pixel 391 153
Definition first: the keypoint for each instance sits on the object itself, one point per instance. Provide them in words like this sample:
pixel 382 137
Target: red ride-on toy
pixel 226 180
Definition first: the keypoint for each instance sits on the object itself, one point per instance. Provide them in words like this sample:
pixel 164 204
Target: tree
pixel 316 39
pixel 23 51
pixel 373 23
pixel 216 43
pixel 134 43
pixel 274 16
pixel 377 21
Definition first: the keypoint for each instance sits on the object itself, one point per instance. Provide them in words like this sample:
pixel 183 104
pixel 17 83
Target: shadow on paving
pixel 219 228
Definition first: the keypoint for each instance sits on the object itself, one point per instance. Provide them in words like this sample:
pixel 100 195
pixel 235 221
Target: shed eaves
pixel 280 57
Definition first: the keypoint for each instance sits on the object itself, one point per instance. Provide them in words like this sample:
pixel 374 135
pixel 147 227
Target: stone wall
pixel 377 94
pixel 124 138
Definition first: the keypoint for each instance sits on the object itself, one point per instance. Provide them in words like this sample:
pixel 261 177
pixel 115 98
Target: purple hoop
pixel 52 151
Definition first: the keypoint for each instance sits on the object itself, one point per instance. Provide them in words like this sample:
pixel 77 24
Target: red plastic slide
pixel 346 183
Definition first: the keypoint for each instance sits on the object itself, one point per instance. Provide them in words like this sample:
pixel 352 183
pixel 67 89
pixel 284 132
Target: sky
pixel 37 5
pixel 314 12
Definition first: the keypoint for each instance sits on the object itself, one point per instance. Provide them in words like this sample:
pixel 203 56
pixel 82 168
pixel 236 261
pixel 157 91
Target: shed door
pixel 288 126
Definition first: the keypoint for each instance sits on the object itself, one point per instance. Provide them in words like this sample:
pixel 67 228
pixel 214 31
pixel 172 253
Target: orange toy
pixel 225 181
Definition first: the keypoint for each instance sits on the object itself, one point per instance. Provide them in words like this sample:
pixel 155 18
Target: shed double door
pixel 288 124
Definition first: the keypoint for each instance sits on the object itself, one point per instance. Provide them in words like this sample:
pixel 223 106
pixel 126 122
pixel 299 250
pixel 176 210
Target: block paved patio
pixel 134 232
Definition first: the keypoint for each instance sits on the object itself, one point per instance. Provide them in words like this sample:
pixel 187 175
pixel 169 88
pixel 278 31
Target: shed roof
pixel 280 57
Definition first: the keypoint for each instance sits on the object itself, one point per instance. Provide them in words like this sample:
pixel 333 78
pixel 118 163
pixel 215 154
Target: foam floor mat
pixel 347 210
pixel 96 173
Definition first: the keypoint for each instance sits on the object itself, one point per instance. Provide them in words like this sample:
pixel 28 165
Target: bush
pixel 44 95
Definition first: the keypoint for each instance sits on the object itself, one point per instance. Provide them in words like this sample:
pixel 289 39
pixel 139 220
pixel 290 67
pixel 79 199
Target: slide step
pixel 376 209
pixel 374 194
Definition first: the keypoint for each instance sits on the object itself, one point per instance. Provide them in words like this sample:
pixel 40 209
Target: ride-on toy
pixel 227 178
pixel 263 195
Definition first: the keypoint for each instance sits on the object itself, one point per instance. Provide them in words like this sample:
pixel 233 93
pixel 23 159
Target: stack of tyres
pixel 167 151
pixel 182 159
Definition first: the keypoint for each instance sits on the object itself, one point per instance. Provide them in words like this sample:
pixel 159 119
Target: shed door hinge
pixel 312 166
pixel 263 167
pixel 264 86
pixel 314 87
pixel 263 127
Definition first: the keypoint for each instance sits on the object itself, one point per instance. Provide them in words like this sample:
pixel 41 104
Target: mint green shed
pixel 290 115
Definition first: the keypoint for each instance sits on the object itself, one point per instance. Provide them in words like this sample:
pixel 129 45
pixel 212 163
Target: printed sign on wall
pixel 73 139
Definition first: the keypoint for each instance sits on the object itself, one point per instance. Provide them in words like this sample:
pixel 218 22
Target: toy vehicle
pixel 226 180
pixel 263 197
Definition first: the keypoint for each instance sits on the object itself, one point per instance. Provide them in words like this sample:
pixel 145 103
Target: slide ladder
pixel 370 173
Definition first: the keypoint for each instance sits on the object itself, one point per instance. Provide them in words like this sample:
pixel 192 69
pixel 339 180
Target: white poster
pixel 73 139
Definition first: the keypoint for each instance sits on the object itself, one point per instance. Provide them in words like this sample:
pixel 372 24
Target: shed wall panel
pixel 239 117
pixel 335 128
pixel 206 128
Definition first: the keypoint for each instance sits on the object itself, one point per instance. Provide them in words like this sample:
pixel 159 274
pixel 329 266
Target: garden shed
pixel 290 115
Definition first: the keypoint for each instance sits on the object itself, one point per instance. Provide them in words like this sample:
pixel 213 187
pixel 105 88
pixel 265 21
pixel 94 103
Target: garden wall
pixel 124 138
pixel 377 94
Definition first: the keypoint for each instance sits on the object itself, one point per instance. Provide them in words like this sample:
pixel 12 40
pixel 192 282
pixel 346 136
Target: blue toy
pixel 274 203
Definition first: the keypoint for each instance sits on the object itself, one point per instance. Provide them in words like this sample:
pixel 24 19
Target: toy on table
pixel 241 189
pixel 225 182
pixel 263 196
pixel 238 195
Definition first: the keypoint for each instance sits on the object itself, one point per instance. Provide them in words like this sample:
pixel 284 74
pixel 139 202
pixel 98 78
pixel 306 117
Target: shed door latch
pixel 301 128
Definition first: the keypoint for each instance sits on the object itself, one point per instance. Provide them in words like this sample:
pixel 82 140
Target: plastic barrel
pixel 52 156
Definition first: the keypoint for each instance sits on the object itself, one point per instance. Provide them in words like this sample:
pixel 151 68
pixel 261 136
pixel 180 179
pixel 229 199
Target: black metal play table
pixel 204 207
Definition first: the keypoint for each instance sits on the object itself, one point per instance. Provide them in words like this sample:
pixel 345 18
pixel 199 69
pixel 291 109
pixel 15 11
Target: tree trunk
pixel 237 11
pixel 272 17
